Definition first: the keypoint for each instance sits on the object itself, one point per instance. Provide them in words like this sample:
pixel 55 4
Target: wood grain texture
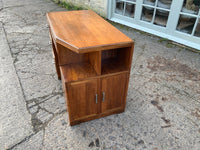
pixel 66 56
pixel 109 54
pixel 112 65
pixel 103 114
pixel 114 89
pixel 91 57
pixel 95 60
pixel 116 60
pixel 85 31
pixel 98 84
pixel 56 60
pixel 77 72
pixel 125 56
pixel 128 77
pixel 82 100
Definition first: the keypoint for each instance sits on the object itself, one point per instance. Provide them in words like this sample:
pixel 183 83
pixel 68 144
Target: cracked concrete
pixel 163 101
pixel 15 120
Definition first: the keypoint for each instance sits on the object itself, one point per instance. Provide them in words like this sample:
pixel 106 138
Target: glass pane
pixel 161 17
pixel 191 6
pixel 147 13
pixel 186 24
pixel 149 2
pixel 164 4
pixel 132 0
pixel 130 10
pixel 197 31
pixel 119 7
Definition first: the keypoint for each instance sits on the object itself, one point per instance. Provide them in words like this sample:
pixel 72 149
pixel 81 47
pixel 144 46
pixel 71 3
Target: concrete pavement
pixel 15 121
pixel 163 103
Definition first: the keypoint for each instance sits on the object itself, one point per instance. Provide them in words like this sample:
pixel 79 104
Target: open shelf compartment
pixel 75 67
pixel 76 72
pixel 115 60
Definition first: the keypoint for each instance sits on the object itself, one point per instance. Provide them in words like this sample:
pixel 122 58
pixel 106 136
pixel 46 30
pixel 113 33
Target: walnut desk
pixel 93 59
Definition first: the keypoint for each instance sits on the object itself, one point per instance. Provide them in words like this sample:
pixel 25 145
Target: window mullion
pixel 195 25
pixel 154 12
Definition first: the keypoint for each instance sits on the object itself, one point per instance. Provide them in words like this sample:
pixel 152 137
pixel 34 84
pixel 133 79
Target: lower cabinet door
pixel 113 93
pixel 83 100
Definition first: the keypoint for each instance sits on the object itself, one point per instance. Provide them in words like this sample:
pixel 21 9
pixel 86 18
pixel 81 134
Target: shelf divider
pixel 95 60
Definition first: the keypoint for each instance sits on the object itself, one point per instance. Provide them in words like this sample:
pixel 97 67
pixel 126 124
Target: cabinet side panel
pixel 131 55
pixel 128 75
pixel 56 59
pixel 65 93
pixel 125 56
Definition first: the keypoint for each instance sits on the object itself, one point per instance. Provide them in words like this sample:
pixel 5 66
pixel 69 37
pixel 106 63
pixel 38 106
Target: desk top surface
pixel 85 31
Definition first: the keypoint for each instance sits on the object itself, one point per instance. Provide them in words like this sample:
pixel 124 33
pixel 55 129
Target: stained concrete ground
pixel 163 103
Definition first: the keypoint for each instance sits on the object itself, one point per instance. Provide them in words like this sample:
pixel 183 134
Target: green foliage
pixel 142 32
pixel 56 1
pixel 162 40
pixel 121 26
pixel 75 8
pixel 169 45
pixel 67 5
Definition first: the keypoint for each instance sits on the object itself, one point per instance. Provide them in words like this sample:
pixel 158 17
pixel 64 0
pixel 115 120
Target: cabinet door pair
pixel 94 97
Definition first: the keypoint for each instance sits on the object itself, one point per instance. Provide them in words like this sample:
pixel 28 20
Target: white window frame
pixel 168 32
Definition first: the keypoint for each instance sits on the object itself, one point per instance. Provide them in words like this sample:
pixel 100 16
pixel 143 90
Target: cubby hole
pixel 115 60
pixel 75 67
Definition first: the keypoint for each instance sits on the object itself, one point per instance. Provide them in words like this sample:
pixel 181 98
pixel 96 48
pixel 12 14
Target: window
pixel 172 19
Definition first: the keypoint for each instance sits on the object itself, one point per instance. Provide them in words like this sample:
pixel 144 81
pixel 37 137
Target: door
pixel 113 93
pixel 83 100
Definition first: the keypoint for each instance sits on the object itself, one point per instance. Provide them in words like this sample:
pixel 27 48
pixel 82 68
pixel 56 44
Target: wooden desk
pixel 93 59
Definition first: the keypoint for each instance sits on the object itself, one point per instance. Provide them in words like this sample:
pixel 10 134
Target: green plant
pixel 169 45
pixel 162 40
pixel 56 1
pixel 68 6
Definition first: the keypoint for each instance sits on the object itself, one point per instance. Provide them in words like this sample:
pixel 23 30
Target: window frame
pixel 170 32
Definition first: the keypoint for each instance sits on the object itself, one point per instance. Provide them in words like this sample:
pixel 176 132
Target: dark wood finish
pixel 114 89
pixel 64 86
pixel 109 54
pixel 85 31
pixel 112 65
pixel 82 102
pixel 67 56
pixel 125 56
pixel 95 60
pixel 91 57
pixel 116 111
pixel 77 72
pixel 116 60
pixel 128 75
pixel 56 60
